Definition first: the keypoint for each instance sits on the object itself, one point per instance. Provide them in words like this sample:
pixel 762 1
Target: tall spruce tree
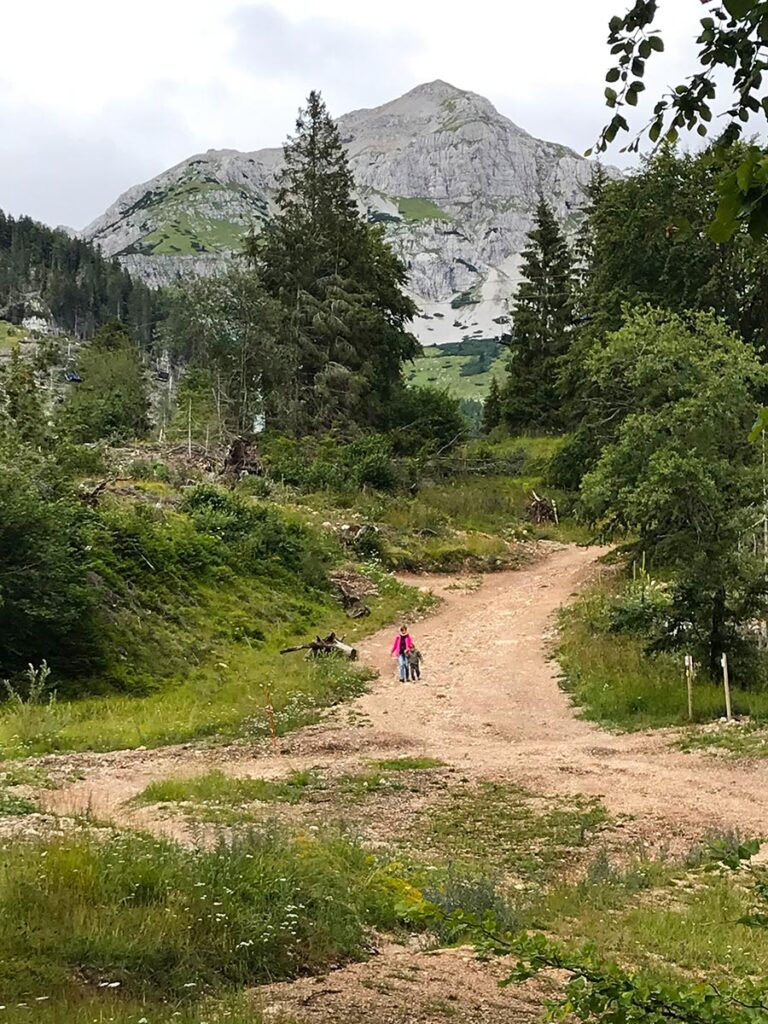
pixel 338 283
pixel 492 408
pixel 542 322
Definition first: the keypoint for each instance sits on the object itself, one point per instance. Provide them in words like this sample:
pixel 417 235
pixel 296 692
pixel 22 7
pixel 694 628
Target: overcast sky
pixel 96 96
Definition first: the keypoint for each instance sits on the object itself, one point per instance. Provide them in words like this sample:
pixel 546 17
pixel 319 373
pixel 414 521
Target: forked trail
pixel 489 704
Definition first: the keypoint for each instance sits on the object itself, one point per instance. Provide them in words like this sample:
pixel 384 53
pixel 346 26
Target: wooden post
pixel 271 717
pixel 189 427
pixel 726 687
pixel 689 683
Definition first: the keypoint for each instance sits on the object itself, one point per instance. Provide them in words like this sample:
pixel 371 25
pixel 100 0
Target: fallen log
pixel 330 644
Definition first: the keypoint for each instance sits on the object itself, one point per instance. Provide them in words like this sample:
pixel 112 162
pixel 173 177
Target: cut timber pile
pixel 330 644
pixel 352 587
pixel 242 459
pixel 541 510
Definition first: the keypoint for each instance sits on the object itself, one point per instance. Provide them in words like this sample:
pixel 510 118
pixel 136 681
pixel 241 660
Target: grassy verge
pixel 615 682
pixel 218 788
pixel 217 797
pixel 136 927
pixel 507 828
pixel 693 918
pixel 228 696
pixel 84 920
pixel 738 740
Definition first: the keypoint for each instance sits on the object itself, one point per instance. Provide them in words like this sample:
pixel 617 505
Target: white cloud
pixel 323 52
pixel 97 96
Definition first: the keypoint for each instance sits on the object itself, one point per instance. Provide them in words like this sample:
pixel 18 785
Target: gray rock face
pixel 453 181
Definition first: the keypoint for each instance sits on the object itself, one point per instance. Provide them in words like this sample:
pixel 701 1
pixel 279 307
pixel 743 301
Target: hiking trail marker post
pixel 727 688
pixel 689 674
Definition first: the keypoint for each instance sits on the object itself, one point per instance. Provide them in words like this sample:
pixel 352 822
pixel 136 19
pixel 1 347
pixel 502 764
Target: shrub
pixel 111 400
pixel 81 459
pixel 329 464
pixel 259 538
pixel 46 605
pixel 641 606
pixel 425 420
pixel 149 469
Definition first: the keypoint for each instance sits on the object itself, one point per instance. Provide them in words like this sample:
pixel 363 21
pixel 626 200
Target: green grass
pixel 747 739
pixel 162 922
pixel 184 235
pixel 183 231
pixel 615 682
pixel 110 1007
pixel 469 552
pixel 502 825
pixel 10 334
pixel 12 805
pixel 26 775
pixel 691 926
pixel 224 799
pixel 228 693
pixel 408 764
pixel 216 787
pixel 467 522
pixel 224 701
pixel 414 208
pixel 439 369
pixel 358 785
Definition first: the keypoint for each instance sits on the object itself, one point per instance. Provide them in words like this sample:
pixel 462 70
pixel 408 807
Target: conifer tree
pixel 492 408
pixel 338 283
pixel 542 320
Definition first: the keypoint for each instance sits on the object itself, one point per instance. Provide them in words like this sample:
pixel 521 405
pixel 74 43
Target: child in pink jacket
pixel 401 646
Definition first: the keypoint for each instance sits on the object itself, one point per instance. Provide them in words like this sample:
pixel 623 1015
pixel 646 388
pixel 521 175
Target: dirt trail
pixel 489 704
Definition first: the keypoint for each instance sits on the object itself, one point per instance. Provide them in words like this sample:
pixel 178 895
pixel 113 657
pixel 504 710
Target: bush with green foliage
pixel 47 603
pixel 424 420
pixel 110 403
pixel 256 538
pixel 326 463
pixel 678 397
pixel 21 400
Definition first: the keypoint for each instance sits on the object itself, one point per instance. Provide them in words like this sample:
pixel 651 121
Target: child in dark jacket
pixel 415 658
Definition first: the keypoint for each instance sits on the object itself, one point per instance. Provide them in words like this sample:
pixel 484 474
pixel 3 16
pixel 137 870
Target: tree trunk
pixel 717 636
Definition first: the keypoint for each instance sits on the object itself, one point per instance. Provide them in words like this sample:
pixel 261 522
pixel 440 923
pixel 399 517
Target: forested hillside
pixel 45 273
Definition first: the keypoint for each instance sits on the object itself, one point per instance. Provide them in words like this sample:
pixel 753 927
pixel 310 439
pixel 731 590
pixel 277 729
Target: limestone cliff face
pixel 453 181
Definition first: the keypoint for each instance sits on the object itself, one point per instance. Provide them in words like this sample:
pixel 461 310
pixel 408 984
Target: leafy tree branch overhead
pixel 732 38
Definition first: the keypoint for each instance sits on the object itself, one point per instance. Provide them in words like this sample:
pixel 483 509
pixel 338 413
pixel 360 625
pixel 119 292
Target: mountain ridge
pixel 453 181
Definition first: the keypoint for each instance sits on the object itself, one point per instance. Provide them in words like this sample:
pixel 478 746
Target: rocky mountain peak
pixel 453 181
